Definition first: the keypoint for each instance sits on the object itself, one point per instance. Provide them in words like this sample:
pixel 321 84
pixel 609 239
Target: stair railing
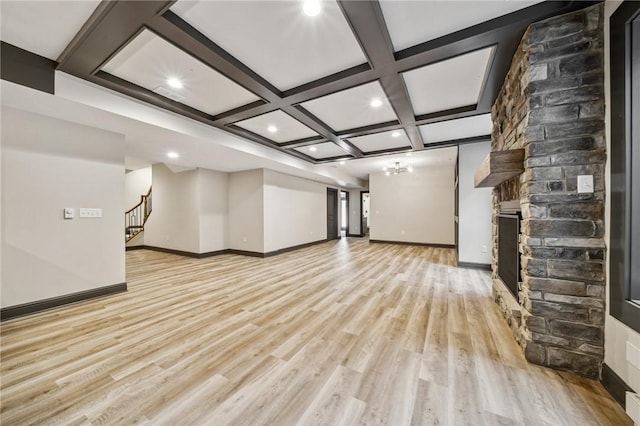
pixel 136 217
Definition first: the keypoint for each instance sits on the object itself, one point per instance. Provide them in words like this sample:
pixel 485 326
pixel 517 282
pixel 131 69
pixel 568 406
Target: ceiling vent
pixel 168 93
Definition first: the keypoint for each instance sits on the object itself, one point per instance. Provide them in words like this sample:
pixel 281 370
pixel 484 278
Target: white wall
pixel 246 207
pixel 617 335
pixel 173 223
pixel 47 165
pixel 189 210
pixel 474 207
pixel 136 184
pixel 413 207
pixel 295 211
pixel 213 198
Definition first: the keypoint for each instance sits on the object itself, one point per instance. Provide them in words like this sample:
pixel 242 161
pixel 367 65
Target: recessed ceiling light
pixel 408 154
pixel 311 7
pixel 410 169
pixel 313 148
pixel 342 163
pixel 272 129
pixel 395 134
pixel 375 103
pixel 175 83
pixel 173 154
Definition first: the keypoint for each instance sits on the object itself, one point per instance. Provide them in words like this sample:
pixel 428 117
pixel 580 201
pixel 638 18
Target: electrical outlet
pixel 244 239
pixel 585 184
pixel 484 249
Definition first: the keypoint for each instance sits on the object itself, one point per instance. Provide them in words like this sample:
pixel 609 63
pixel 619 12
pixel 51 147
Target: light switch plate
pixel 68 213
pixel 585 184
pixel 90 213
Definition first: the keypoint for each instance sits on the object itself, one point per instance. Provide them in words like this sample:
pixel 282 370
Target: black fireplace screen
pixel 508 253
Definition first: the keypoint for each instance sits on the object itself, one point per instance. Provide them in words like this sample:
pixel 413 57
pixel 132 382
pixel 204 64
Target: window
pixel 624 248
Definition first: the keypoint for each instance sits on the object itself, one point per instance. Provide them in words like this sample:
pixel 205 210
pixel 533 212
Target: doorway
pixel 366 212
pixel 344 211
pixel 332 214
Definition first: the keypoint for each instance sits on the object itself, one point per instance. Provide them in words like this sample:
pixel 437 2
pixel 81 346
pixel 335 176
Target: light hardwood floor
pixel 345 332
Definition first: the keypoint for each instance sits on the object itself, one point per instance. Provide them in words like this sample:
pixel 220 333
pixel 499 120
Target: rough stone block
pixel 582 63
pixel 572 254
pixel 535 353
pixel 554 114
pixel 552 311
pixel 566 46
pixel 556 28
pixel 561 228
pixel 555 186
pixel 535 295
pixel 563 197
pixel 547 148
pixel 591 38
pixel 573 129
pixel 564 83
pixel 534 133
pixel 596 317
pixel 574 330
pixel 576 362
pixel 595 290
pixel 592 109
pixel 533 210
pixel 537 324
pixel 574 95
pixel 538 72
pixel 578 157
pixel 550 285
pixel 537 161
pixel 578 270
pixel 595 254
pixel 545 173
pixel 588 210
pixel 541 252
pixel 534 267
pixel 592 79
pixel 591 349
pixel 575 242
pixel 574 300
pixel 547 339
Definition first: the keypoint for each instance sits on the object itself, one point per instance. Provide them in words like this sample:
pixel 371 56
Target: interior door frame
pixel 334 193
pixel 347 211
pixel 362 234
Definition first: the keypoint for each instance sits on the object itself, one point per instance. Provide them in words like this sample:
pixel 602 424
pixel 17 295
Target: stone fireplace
pixel 552 106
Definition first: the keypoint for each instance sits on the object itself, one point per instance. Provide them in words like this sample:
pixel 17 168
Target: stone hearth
pixel 552 105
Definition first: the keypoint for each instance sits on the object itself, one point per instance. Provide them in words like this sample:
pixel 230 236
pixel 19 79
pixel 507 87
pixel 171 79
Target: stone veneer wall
pixel 552 105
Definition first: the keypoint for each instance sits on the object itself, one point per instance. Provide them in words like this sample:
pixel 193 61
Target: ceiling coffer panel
pixel 155 64
pixel 277 39
pixel 278 127
pixel 405 20
pixel 359 106
pixel 461 128
pixel 448 84
pixel 392 140
pixel 323 150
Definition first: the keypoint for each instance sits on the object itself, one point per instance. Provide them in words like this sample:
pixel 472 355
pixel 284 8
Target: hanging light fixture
pixel 397 169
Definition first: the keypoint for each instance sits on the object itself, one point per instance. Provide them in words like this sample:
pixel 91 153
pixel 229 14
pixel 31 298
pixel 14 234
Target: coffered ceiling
pixel 359 79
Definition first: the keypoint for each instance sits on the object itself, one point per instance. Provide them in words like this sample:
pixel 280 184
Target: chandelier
pixel 397 169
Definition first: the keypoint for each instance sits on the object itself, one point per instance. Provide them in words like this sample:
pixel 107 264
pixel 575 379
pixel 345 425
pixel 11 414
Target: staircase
pixel 136 217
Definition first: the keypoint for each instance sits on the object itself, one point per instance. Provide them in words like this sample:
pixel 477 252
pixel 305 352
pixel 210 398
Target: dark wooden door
pixel 332 213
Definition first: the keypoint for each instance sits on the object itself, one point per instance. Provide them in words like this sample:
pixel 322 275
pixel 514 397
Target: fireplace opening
pixel 508 251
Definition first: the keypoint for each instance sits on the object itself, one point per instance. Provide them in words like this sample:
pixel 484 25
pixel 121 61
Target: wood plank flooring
pixel 344 333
